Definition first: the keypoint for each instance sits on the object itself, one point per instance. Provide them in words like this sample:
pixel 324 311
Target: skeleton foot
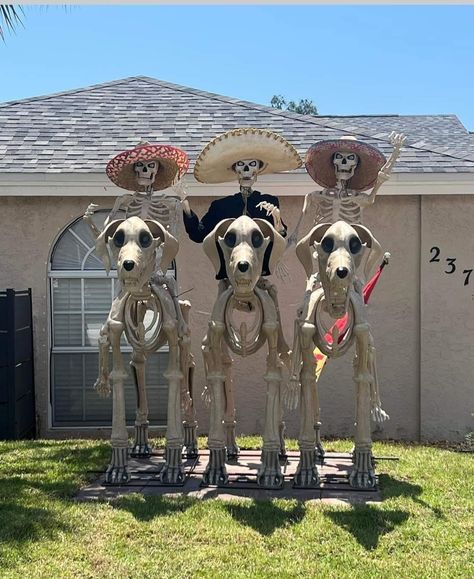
pixel 141 448
pixel 117 472
pixel 191 449
pixel 172 471
pixel 307 474
pixel 215 473
pixel 231 443
pixel 269 473
pixel 363 474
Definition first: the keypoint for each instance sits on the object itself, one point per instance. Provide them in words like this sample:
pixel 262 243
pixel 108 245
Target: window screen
pixel 81 296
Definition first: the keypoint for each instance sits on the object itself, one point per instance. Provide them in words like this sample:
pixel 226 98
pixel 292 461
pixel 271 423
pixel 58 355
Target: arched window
pixel 81 294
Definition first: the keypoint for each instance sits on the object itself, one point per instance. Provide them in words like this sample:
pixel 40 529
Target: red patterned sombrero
pixel 173 165
pixel 321 169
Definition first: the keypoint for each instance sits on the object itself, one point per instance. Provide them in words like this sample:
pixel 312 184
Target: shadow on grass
pixel 368 523
pixel 265 516
pixel 22 524
pixel 392 487
pixel 147 508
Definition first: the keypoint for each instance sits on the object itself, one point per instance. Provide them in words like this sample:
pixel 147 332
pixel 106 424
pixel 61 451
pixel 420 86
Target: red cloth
pixel 341 324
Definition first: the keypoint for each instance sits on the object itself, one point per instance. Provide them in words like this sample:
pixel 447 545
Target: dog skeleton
pixel 243 242
pixel 340 250
pixel 134 243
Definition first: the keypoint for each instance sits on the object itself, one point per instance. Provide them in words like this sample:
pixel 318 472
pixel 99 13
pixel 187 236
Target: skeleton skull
pixel 247 171
pixel 146 172
pixel 243 246
pixel 345 164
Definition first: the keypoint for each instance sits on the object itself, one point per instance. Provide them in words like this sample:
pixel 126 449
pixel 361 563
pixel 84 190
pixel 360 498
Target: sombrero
pixel 214 164
pixel 321 169
pixel 173 165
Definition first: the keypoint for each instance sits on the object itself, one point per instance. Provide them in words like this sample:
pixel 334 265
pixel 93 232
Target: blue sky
pixel 347 59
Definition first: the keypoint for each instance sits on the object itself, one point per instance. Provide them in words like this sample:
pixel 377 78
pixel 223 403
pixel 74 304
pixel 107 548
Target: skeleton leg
pixel 216 473
pixel 269 474
pixel 117 471
pixel 307 473
pixel 229 412
pixel 187 397
pixel 284 352
pixel 102 384
pixel 362 475
pixel 172 471
pixel 378 414
pixel 140 448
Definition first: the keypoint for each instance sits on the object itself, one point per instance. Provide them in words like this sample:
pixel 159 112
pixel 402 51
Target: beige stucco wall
pixel 443 398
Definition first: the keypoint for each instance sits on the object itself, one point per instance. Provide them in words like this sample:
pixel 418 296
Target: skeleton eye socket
pixel 327 244
pixel 230 239
pixel 338 156
pixel 240 163
pixel 257 239
pixel 355 245
pixel 145 239
pixel 139 164
pixel 151 165
pixel 119 238
pixel 351 157
pixel 253 163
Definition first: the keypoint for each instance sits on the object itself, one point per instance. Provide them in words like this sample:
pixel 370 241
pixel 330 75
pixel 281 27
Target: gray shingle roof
pixel 80 130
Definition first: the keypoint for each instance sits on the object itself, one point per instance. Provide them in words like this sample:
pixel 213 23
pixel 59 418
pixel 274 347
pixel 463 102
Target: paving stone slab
pixel 334 487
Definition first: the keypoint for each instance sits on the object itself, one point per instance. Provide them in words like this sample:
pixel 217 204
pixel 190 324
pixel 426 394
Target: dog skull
pixel 146 172
pixel 243 246
pixel 339 255
pixel 345 164
pixel 247 171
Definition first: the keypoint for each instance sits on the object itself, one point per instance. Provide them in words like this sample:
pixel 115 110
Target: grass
pixel 423 528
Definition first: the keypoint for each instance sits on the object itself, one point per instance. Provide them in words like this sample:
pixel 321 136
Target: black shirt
pixel 225 208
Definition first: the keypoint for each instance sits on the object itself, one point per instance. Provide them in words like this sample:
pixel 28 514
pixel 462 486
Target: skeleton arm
pixel 310 202
pixel 87 217
pixel 397 140
pixel 121 202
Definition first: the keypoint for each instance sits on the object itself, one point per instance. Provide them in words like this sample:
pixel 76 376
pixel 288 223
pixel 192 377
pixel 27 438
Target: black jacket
pixel 225 208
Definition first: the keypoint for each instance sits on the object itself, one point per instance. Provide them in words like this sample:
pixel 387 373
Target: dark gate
pixel 17 394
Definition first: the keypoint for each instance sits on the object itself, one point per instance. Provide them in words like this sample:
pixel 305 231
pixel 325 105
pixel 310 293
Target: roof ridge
pixel 70 91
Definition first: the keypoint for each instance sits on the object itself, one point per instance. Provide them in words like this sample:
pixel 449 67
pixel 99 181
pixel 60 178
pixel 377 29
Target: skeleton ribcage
pixel 166 210
pixel 330 209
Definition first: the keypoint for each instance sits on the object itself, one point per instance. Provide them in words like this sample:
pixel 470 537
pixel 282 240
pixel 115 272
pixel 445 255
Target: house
pixel 53 152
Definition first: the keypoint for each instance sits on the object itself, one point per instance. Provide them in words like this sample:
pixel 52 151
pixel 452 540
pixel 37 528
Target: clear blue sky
pixel 347 59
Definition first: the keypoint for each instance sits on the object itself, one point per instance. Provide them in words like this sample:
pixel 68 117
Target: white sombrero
pixel 320 166
pixel 214 164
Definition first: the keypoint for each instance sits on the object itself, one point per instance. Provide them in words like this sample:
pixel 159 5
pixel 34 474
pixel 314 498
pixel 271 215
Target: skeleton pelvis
pixel 243 324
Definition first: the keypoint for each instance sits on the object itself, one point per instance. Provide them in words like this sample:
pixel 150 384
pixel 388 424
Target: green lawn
pixel 423 528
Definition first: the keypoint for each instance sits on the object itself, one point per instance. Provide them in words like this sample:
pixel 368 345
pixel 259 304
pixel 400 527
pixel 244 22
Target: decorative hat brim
pixel 319 163
pixel 214 164
pixel 173 165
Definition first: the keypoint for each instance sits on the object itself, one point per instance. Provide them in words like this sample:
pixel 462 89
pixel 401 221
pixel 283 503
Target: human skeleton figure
pixel 243 242
pixel 340 250
pixel 341 202
pixel 133 243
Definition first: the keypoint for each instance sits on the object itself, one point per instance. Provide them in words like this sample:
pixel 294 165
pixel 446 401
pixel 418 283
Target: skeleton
pixel 162 206
pixel 134 243
pixel 341 202
pixel 340 250
pixel 243 242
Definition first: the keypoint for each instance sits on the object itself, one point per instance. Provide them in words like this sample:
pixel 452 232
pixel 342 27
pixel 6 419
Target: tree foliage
pixel 9 18
pixel 304 107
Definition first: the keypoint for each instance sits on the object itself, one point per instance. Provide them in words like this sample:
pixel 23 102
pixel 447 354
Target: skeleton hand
pixel 282 272
pixel 90 210
pixel 272 210
pixel 397 140
pixel 291 393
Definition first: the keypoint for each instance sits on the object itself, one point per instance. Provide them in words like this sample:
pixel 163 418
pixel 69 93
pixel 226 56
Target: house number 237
pixel 450 264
